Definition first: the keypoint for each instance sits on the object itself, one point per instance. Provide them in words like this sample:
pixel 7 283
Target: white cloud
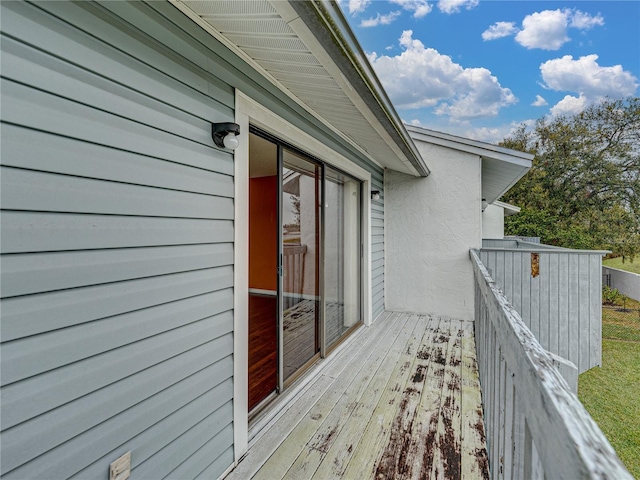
pixel 585 76
pixel 422 77
pixel 380 20
pixel 547 30
pixel 499 30
pixel 420 8
pixel 496 134
pixel 584 21
pixel 539 102
pixel 357 6
pixel 569 105
pixel 486 134
pixel 454 6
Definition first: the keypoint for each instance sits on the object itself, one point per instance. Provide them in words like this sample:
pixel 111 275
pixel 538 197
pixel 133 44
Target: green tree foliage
pixel 583 190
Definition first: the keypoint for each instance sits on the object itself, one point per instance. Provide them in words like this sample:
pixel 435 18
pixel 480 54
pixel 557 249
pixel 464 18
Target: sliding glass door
pixel 304 263
pixel 301 207
pixel 342 293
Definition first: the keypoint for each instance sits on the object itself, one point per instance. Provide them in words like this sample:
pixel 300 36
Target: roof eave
pixel 354 65
pixel 516 163
pixel 483 149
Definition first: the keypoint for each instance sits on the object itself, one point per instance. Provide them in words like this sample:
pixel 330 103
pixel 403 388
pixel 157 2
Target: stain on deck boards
pixel 417 413
pixel 397 460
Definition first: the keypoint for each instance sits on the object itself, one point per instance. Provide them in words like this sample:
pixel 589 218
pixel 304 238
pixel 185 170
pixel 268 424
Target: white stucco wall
pixel 493 222
pixel 430 225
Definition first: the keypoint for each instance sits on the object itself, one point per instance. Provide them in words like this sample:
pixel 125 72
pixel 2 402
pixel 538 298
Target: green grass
pixel 611 394
pixel 620 323
pixel 633 267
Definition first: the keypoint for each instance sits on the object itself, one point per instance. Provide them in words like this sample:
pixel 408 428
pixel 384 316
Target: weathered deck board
pixel 474 461
pixel 401 401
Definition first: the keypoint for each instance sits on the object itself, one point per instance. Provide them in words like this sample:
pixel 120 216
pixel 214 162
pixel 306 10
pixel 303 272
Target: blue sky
pixel 480 68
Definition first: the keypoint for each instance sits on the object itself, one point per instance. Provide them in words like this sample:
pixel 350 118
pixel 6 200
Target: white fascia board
pixel 476 147
pixel 287 12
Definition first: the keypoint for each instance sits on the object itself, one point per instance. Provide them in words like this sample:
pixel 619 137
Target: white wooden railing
pixel 535 425
pixel 556 291
pixel 293 277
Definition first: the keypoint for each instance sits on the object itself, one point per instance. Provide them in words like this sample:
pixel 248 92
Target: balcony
pixel 402 399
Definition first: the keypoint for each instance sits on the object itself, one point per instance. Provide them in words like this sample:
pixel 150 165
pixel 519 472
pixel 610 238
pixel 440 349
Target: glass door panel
pixel 263 269
pixel 300 261
pixel 341 255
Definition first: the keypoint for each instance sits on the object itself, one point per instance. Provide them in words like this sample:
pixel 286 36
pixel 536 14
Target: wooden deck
pixel 399 400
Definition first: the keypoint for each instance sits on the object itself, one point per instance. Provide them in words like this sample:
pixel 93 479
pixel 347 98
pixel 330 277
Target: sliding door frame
pixel 249 112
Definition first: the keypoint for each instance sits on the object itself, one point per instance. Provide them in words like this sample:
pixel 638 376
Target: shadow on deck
pixel 401 399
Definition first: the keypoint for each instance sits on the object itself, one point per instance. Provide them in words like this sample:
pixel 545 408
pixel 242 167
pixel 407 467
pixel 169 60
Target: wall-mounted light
pixel 375 194
pixel 225 135
pixel 484 204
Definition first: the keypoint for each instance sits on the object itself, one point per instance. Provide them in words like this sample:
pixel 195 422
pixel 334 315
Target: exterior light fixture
pixel 484 204
pixel 225 135
pixel 375 194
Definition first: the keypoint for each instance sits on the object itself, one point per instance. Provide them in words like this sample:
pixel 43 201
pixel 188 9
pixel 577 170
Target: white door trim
pixel 249 112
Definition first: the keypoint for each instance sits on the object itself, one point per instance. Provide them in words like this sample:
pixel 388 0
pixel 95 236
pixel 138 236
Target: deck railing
pixel 558 293
pixel 293 274
pixel 535 425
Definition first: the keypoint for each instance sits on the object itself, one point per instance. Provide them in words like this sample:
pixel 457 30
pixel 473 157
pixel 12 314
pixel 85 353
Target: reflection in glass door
pixel 304 263
pixel 342 292
pixel 300 215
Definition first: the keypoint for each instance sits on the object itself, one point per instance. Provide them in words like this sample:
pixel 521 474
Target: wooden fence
pixel 535 425
pixel 557 292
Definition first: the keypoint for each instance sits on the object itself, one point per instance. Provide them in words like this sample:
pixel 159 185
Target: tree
pixel 583 190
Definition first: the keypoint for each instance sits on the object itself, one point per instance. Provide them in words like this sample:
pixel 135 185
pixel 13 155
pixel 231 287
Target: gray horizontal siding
pixel 117 251
pixel 117 239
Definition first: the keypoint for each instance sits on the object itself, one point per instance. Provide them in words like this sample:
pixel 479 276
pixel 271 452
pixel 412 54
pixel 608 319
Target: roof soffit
pixel 278 43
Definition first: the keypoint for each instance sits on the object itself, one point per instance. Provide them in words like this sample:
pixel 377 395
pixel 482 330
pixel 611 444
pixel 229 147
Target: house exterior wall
pixel 117 266
pixel 493 222
pixel 118 240
pixel 431 223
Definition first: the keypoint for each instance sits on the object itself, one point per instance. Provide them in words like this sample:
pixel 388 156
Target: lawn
pixel 627 265
pixel 612 396
pixel 620 323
